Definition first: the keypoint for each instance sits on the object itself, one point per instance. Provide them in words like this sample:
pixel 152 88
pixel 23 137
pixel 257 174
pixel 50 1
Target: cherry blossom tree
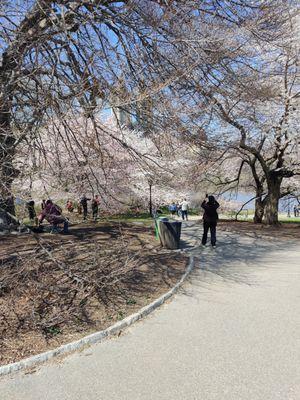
pixel 62 56
pixel 100 157
pixel 181 67
pixel 250 85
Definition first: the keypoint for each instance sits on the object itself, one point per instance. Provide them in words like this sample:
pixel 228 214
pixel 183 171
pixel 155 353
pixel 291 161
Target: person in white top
pixel 184 209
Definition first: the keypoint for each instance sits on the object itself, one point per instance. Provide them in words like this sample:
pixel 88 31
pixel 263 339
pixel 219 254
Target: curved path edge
pixel 97 336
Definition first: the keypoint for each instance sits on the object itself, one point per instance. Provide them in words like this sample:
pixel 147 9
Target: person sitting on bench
pixel 53 214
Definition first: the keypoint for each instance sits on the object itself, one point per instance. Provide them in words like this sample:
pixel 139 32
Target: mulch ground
pixel 280 231
pixel 57 288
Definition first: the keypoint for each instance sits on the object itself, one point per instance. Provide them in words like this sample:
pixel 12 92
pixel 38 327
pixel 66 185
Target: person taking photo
pixel 210 219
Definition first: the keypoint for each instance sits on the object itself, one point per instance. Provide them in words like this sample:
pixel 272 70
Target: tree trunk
pixel 272 202
pixel 259 192
pixel 259 211
pixel 7 152
pixel 150 199
pixel 7 139
pixel 7 171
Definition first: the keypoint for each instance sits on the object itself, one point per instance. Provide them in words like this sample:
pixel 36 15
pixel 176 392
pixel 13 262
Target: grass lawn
pixel 244 216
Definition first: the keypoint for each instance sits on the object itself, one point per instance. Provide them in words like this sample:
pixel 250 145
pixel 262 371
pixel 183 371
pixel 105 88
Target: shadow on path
pixel 235 259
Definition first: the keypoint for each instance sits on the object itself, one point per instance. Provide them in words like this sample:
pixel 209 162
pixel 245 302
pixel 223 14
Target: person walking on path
pixel 210 219
pixel 184 209
pixel 83 202
pixel 95 206
pixel 178 207
pixel 173 209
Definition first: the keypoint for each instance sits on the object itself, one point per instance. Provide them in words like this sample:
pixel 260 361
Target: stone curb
pixel 97 336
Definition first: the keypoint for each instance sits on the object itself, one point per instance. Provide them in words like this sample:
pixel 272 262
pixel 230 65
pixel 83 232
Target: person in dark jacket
pixel 31 210
pixel 43 204
pixel 210 219
pixel 95 206
pixel 84 204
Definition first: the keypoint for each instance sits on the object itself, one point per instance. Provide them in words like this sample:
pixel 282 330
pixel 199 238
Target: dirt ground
pixel 280 231
pixel 57 288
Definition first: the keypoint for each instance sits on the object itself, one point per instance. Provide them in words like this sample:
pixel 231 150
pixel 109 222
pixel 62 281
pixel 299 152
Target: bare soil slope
pixel 55 288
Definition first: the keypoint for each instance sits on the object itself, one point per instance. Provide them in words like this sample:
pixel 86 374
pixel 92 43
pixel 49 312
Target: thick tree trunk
pixel 259 211
pixel 7 170
pixel 7 138
pixel 7 174
pixel 272 202
pixel 259 192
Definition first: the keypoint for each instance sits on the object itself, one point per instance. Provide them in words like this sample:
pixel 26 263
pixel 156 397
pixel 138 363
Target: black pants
pixel 184 214
pixel 32 214
pixel 85 212
pixel 212 226
pixel 95 212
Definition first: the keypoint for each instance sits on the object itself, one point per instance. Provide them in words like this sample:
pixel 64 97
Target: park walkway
pixel 232 333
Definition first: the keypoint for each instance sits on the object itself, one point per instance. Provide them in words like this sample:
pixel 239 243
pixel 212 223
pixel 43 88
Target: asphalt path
pixel 231 333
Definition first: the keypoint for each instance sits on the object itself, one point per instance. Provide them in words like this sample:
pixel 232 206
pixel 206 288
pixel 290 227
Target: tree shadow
pixel 235 260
